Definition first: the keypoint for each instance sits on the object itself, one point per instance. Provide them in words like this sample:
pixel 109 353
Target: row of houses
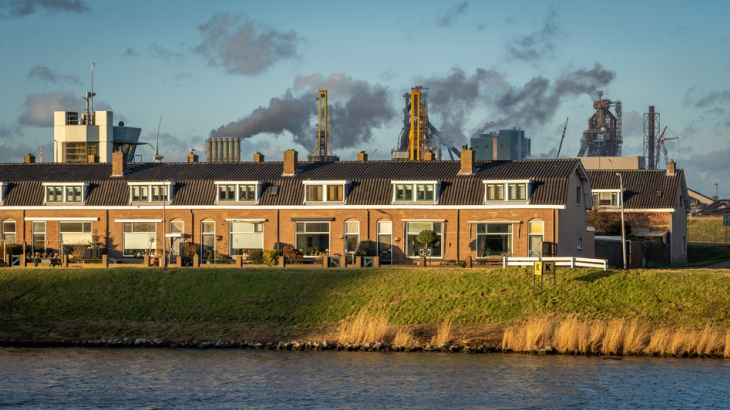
pixel 481 209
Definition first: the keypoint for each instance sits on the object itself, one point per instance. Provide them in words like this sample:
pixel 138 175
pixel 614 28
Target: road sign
pixel 544 268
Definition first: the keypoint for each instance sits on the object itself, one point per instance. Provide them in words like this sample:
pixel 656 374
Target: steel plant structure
pixel 603 136
pixel 418 136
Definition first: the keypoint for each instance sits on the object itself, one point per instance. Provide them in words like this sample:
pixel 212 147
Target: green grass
pixel 707 230
pixel 705 254
pixel 271 303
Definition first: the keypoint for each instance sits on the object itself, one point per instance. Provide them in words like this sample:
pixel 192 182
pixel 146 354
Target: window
pixel 352 238
pixel 39 236
pixel 415 249
pixel 606 198
pixel 495 192
pixel 312 238
pixel 577 195
pixel 9 235
pixel 75 233
pixel 334 192
pixel 385 240
pixel 139 238
pixel 418 191
pixel 424 192
pixel 151 192
pixel 54 194
pixel 580 243
pixel 176 227
pixel 246 236
pixel 314 193
pixel 247 193
pixel 207 240
pixel 494 240
pixel 226 192
pixel 139 193
pixel 80 151
pixel 404 192
pixel 517 192
pixel 535 236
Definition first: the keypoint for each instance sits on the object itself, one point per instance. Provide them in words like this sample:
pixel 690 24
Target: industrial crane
pixel 562 138
pixel 660 144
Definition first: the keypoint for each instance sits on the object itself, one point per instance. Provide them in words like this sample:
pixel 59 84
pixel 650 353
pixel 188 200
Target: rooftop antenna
pixel 88 117
pixel 92 88
pixel 157 157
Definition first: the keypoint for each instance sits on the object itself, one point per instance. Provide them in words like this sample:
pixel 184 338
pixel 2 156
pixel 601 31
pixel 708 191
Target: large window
pixel 80 151
pixel 246 236
pixel 535 236
pixel 352 238
pixel 139 238
pixel 75 233
pixel 416 249
pixel 9 235
pixel 207 239
pixel 324 191
pixel 228 192
pixel 151 192
pixel 39 236
pixel 313 238
pixel 517 190
pixel 385 240
pixel 494 240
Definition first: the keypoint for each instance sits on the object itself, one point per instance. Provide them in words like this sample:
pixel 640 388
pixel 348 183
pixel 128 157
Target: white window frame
pixel 431 221
pixel 506 183
pixel 329 234
pixel 231 232
pixel 238 184
pixel 63 186
pixel 170 191
pixel 215 238
pixel 175 235
pixel 414 187
pixel 325 192
pixel 124 246
pixel 486 223
pixel 15 232
pixel 613 191
pixel 353 221
pixel 530 234
pixel 33 234
pixel 60 232
pixel 379 233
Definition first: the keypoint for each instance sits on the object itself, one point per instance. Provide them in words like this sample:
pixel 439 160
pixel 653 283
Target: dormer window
pixel 60 193
pixel 238 191
pixel 518 190
pixel 151 191
pixel 606 198
pixel 415 191
pixel 325 191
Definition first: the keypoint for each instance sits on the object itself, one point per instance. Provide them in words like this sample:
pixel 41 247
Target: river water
pixel 168 378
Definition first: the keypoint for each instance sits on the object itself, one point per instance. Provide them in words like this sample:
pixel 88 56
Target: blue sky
pixel 215 66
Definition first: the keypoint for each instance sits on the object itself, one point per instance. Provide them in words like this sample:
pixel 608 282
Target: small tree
pixel 426 238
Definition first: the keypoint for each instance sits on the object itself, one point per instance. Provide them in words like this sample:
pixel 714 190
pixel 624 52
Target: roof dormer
pixel 64 193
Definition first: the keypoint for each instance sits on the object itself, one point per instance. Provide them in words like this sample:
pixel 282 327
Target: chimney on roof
pixel 29 159
pixel 258 157
pixel 92 159
pixel 290 162
pixel 119 163
pixel 362 156
pixel 671 167
pixel 467 161
pixel 429 156
pixel 193 157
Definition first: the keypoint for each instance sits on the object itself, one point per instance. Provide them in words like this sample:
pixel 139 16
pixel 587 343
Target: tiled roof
pixel 642 185
pixel 371 180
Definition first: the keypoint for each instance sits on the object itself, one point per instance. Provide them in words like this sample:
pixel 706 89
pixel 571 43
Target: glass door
pixel 385 241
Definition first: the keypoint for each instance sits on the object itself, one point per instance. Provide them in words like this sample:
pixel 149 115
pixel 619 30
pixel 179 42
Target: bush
pixel 367 252
pixel 270 257
pixel 292 254
pixel 256 256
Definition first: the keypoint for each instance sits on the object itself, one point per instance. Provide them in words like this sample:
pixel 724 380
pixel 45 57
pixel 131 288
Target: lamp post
pixel 623 224
pixel 166 190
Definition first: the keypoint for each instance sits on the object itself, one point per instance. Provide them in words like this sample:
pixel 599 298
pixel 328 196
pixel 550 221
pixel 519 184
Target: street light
pixel 623 225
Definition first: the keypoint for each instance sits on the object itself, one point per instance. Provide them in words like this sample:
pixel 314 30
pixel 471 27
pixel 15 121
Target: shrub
pixel 367 252
pixel 256 256
pixel 270 257
pixel 292 254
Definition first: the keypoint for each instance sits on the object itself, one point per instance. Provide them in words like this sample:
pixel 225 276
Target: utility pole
pixel 166 190
pixel 623 224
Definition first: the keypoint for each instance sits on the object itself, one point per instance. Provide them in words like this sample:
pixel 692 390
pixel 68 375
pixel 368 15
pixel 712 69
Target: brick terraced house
pixel 477 208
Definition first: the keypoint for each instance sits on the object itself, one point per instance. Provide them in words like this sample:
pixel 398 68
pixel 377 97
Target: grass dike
pixel 657 312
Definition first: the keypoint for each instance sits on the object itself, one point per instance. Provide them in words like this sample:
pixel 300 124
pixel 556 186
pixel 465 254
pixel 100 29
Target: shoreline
pixel 127 343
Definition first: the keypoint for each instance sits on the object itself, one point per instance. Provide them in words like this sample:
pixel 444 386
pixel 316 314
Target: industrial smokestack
pixel 208 150
pixel 237 149
pixel 650 142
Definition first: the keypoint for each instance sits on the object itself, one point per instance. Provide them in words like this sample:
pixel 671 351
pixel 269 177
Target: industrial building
pixel 504 145
pixel 603 138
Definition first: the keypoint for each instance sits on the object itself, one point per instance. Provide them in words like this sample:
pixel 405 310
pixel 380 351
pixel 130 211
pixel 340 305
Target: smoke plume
pixel 359 108
pixel 44 73
pixel 20 8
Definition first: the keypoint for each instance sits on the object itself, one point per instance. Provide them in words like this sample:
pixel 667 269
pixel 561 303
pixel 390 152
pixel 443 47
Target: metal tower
pixel 603 137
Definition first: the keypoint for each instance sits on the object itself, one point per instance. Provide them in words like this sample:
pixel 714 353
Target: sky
pixel 252 70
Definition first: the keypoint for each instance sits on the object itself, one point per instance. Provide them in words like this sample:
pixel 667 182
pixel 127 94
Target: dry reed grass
pixel 404 337
pixel 365 327
pixel 443 333
pixel 615 337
